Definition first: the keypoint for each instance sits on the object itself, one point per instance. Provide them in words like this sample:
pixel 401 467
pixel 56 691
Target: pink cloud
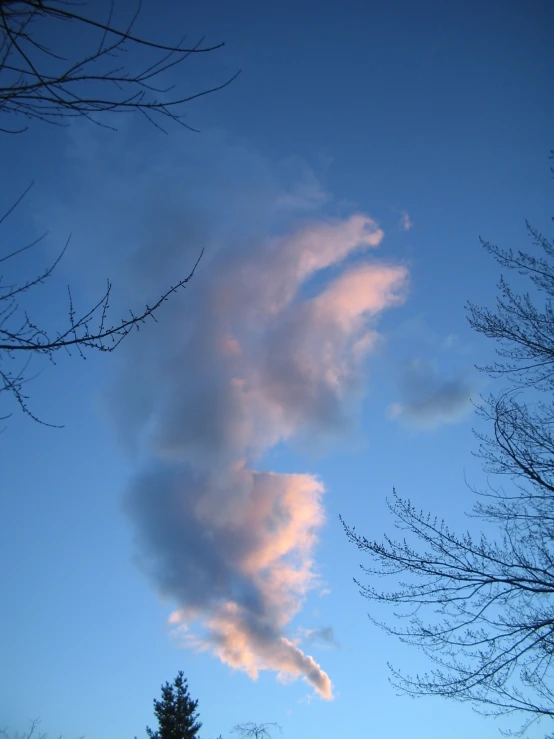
pixel 366 289
pixel 240 647
pixel 281 515
pixel 266 282
pixel 254 360
pixel 241 548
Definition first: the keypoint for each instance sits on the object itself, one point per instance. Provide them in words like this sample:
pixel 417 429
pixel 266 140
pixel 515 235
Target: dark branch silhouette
pixel 37 81
pixel 480 607
pixel 32 732
pixel 251 730
pixel 22 336
pixel 60 60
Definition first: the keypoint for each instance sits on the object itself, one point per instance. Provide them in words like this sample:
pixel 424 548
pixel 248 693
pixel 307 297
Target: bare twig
pixel 481 608
pixel 38 83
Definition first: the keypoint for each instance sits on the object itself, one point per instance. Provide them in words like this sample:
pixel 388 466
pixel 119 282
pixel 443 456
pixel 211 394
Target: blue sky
pixel 320 357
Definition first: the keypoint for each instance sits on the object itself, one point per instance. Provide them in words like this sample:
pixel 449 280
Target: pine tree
pixel 176 712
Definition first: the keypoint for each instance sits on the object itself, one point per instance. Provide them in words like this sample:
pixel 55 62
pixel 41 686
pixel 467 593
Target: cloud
pixel 261 363
pixel 236 554
pixel 406 223
pixel 269 343
pixel 427 400
pixel 324 637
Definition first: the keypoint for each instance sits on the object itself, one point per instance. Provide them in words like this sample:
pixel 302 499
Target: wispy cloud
pixel 406 223
pixel 269 343
pixel 324 637
pixel 428 400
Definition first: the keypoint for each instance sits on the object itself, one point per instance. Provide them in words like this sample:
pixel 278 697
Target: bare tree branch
pixel 38 83
pixel 91 329
pixel 481 608
pixel 251 730
pixel 32 732
pixel 116 70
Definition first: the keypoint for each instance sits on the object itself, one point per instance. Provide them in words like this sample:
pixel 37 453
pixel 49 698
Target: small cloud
pixel 406 223
pixel 452 341
pixel 324 637
pixel 324 591
pixel 427 400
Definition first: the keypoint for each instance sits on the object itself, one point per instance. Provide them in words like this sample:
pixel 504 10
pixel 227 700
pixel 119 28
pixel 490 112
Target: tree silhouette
pixel 40 81
pixel 60 60
pixel 481 608
pixel 176 712
pixel 251 730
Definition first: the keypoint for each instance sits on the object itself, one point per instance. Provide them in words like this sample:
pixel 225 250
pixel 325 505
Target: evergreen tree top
pixel 176 712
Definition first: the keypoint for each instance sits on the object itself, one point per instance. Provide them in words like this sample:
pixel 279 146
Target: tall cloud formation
pixel 270 343
pixel 261 363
